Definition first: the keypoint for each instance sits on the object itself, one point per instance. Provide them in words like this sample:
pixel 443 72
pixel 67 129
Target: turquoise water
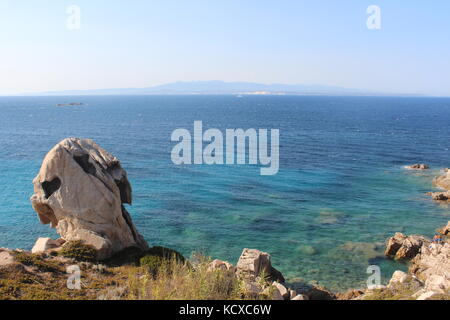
pixel 341 190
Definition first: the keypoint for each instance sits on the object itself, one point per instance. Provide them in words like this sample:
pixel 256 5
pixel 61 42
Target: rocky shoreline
pixel 81 190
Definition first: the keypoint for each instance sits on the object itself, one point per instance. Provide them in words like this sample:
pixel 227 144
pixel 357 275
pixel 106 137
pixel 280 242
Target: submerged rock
pixel 80 190
pixel 360 251
pixel 329 217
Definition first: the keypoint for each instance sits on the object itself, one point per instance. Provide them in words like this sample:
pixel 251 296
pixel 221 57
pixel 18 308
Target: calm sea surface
pixel 340 192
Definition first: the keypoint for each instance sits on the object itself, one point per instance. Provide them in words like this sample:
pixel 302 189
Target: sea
pixel 340 192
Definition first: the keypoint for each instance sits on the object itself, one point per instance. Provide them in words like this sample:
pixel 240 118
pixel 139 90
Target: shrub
pixel 166 253
pixel 37 261
pixel 157 257
pixel 78 251
pixel 152 263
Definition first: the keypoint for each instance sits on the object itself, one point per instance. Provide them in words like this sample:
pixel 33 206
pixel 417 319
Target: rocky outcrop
pixel 254 263
pixel 418 166
pixel 80 190
pixel 432 266
pixel 429 271
pixel 405 247
pixel 260 278
pixel 443 181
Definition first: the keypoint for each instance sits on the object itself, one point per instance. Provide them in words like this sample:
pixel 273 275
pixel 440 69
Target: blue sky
pixel 142 43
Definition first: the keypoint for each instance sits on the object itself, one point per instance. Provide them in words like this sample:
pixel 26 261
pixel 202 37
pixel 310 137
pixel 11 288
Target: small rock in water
pixel 418 166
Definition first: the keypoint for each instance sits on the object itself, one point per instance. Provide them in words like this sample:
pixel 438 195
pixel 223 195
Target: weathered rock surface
pixel 44 244
pixel 254 263
pixel 405 247
pixel 398 277
pixel 282 290
pixel 6 258
pixel 429 272
pixel 352 294
pixel 80 190
pixel 220 265
pixel 273 293
pixel 432 266
pixel 418 166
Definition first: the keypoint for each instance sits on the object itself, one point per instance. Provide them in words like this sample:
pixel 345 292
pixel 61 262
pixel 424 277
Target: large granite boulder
pixel 254 263
pixel 80 190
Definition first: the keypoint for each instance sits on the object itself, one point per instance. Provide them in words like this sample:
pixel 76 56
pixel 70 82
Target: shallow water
pixel 341 189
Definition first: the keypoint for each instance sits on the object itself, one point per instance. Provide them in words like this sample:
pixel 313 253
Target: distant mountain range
pixel 219 88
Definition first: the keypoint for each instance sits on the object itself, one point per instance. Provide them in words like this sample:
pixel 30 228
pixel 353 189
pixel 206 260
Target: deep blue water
pixel 341 186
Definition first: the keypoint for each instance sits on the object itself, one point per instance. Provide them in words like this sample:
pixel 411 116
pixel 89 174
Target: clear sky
pixel 140 43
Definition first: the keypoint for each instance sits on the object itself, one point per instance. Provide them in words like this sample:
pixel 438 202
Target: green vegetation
pixel 397 291
pixel 78 251
pixel 37 261
pixel 158 257
pixel 160 273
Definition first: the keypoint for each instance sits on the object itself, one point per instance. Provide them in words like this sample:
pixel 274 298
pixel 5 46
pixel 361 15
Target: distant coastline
pixel 226 88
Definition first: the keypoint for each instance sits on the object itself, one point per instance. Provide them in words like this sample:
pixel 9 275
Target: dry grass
pixel 183 281
pixel 166 277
